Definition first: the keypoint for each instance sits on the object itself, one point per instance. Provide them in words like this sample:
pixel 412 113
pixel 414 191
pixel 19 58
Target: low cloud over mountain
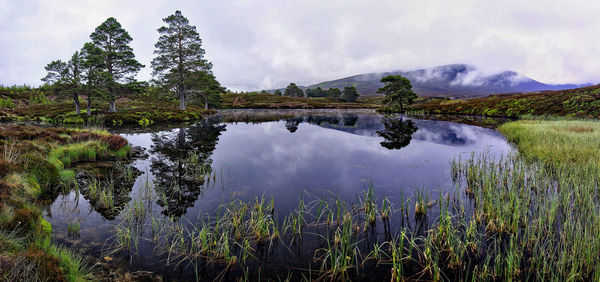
pixel 449 80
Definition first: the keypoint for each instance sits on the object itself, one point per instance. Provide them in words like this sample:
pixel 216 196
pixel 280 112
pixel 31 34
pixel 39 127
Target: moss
pixel 74 120
pixel 145 122
pixel 6 103
pixel 46 231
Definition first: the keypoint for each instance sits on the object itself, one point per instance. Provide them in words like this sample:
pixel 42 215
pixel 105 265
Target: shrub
pixel 114 141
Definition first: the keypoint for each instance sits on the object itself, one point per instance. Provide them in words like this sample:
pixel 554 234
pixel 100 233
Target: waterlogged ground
pixel 280 155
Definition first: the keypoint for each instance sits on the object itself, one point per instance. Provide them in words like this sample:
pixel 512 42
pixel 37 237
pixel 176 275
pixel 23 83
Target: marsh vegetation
pixel 200 205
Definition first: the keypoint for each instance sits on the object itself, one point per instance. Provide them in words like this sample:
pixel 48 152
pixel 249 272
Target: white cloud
pixel 265 44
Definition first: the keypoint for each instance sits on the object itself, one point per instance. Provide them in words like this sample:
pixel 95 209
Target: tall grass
pixel 567 142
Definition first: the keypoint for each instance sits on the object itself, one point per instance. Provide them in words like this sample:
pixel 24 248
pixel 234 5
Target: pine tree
pixel 397 90
pixel 334 93
pixel 349 94
pixel 292 90
pixel 94 77
pixel 180 59
pixel 119 61
pixel 65 77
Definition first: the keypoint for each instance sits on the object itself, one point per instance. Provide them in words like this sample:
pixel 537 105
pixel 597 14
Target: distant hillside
pixel 579 102
pixel 457 80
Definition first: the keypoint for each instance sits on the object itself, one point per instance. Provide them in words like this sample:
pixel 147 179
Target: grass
pixel 556 141
pixel 36 161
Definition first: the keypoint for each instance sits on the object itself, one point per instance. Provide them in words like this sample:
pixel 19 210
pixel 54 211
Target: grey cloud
pixel 267 44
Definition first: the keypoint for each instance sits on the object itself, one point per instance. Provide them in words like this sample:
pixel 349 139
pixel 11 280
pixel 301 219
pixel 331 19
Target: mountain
pixel 458 80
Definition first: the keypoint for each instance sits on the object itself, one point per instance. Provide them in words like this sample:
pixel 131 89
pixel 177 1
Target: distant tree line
pixel 105 67
pixel 349 93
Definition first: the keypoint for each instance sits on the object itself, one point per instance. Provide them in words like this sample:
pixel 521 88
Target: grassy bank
pixel 580 103
pixel 36 162
pixel 556 141
pixel 269 101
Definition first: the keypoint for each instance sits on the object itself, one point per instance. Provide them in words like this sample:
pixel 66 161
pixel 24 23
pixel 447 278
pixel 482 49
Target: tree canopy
pixel 95 78
pixel 180 62
pixel 293 90
pixel 316 92
pixel 65 77
pixel 350 94
pixel 119 60
pixel 397 91
pixel 334 93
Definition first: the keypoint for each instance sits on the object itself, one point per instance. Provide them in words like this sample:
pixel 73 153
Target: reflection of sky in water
pixel 265 158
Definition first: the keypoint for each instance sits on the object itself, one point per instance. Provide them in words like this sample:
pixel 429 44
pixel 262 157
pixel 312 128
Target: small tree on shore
pixel 205 87
pixel 292 90
pixel 349 94
pixel 397 91
pixel 119 61
pixel 65 77
pixel 334 93
pixel 180 59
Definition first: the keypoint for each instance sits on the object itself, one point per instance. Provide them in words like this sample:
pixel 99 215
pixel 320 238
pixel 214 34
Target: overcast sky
pixel 267 44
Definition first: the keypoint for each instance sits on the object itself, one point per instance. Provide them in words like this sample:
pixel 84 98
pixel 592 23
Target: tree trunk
pixel 181 138
pixel 205 102
pixel 181 100
pixel 401 108
pixel 112 108
pixel 89 105
pixel 77 106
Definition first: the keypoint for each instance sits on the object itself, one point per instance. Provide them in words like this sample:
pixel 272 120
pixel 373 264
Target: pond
pixel 284 157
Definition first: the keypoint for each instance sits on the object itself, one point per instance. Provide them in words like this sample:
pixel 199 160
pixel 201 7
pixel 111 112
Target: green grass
pixel 33 162
pixel 556 141
pixel 73 265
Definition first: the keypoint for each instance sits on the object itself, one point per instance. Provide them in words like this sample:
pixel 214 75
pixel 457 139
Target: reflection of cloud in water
pixel 267 158
pixel 447 133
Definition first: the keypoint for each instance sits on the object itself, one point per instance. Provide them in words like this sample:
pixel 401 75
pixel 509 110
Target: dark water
pixel 280 154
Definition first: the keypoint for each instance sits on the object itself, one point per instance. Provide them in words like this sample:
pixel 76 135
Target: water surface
pixel 284 155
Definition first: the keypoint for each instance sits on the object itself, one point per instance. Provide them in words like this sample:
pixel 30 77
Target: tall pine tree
pixel 180 60
pixel 95 78
pixel 119 61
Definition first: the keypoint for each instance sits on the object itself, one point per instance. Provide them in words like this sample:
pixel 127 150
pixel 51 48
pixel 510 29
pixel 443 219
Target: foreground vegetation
pixel 531 216
pixel 35 163
pixel 579 103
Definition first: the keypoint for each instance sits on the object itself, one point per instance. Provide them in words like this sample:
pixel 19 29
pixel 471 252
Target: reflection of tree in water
pixel 350 119
pixel 292 124
pixel 317 120
pixel 181 163
pixel 398 133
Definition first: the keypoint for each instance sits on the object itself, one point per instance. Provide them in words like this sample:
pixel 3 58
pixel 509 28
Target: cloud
pixel 267 44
